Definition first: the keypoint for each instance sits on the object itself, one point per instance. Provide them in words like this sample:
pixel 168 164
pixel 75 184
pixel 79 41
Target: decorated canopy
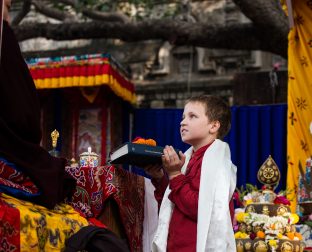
pixel 82 71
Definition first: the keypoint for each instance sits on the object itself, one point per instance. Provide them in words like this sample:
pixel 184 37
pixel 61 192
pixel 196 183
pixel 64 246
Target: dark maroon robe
pixel 20 132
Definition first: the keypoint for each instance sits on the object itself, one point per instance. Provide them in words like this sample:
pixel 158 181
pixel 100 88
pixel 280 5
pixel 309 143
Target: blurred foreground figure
pixel 30 172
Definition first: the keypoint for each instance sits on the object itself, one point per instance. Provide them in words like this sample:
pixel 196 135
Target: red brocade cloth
pixel 130 199
pixel 94 186
pixel 9 227
pixel 15 182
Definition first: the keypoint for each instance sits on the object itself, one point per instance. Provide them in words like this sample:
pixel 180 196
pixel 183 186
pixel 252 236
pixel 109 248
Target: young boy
pixel 194 213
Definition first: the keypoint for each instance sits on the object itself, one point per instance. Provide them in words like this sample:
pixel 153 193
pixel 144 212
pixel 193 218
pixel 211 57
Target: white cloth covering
pixel 217 184
pixel 150 215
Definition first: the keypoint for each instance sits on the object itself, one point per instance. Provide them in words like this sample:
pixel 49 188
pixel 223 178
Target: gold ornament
pixel 239 246
pixel 287 247
pixel 248 246
pixel 250 209
pixel 54 135
pixel 260 246
pixel 269 173
pixel 265 210
pixel 281 210
pixel 297 248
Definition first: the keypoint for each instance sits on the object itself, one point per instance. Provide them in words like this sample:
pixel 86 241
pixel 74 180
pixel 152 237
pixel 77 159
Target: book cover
pixel 139 155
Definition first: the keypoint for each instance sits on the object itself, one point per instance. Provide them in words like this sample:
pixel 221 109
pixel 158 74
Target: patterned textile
pixel 89 130
pixel 299 140
pixel 14 182
pixel 42 229
pixel 9 227
pixel 303 195
pixel 130 199
pixel 94 186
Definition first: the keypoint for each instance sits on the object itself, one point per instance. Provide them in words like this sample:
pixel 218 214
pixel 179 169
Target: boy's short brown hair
pixel 216 110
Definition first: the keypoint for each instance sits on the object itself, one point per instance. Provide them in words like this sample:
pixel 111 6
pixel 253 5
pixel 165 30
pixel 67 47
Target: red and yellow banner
pixel 82 73
pixel 299 138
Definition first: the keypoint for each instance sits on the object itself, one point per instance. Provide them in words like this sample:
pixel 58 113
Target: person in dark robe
pixel 20 132
pixel 26 169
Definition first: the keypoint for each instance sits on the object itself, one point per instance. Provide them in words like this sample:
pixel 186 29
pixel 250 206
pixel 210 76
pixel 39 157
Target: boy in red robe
pixel 194 213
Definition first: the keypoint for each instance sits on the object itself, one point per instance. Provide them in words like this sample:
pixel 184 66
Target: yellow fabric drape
pixel 90 81
pixel 42 229
pixel 299 138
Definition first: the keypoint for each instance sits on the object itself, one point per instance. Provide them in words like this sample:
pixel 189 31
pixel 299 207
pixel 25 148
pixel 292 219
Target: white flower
pixel 239 210
pixel 247 197
pixel 257 219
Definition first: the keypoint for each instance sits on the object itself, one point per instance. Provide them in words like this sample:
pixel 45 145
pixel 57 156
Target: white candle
pixel 89 156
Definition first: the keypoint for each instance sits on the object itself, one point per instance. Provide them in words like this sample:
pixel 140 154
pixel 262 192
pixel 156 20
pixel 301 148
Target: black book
pixel 139 155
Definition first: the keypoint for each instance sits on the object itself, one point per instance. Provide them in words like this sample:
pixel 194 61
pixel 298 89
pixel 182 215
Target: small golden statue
pixel 54 135
pixel 265 210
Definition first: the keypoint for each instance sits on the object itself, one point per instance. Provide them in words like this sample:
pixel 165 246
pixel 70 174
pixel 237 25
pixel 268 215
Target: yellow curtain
pixel 299 138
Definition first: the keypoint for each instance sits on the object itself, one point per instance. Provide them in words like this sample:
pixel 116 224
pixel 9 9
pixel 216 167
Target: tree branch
pixel 98 15
pixel 22 13
pixel 268 17
pixel 113 17
pixel 264 13
pixel 51 12
pixel 242 37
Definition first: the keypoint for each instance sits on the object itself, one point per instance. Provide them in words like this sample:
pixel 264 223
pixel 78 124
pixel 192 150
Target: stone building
pixel 166 75
pixel 241 77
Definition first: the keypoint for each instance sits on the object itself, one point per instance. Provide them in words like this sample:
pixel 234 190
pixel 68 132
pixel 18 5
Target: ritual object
pixel 54 136
pixel 266 224
pixel 89 159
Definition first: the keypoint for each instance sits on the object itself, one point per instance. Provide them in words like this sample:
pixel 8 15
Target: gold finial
pixel 269 173
pixel 54 135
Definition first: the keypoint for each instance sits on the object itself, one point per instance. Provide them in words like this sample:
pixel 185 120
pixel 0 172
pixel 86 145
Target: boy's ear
pixel 215 126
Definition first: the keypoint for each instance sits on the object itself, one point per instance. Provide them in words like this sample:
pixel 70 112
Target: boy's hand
pixel 171 161
pixel 155 171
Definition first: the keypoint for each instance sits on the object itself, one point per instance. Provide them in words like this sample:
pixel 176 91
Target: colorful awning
pixel 82 71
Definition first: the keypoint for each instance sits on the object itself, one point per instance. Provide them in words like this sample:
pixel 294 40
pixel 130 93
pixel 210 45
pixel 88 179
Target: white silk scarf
pixel 217 184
